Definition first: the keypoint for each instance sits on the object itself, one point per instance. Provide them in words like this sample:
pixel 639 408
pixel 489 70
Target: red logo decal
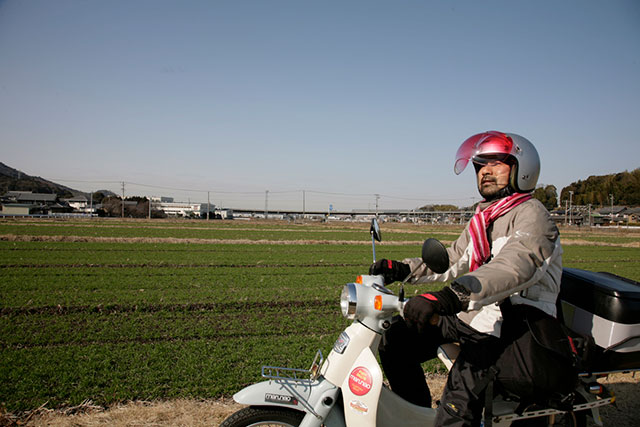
pixel 360 381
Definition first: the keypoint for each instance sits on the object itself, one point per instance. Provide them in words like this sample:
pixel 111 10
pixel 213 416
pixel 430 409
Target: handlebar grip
pixel 433 321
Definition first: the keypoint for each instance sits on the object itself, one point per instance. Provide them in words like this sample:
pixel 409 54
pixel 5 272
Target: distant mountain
pixel 15 180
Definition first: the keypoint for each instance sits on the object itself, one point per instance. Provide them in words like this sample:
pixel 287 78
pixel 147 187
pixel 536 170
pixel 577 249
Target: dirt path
pixel 198 413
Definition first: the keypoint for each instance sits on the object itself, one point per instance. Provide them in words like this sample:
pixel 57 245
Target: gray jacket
pixel 525 265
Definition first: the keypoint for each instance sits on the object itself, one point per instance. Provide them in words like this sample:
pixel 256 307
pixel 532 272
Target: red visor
pixel 492 143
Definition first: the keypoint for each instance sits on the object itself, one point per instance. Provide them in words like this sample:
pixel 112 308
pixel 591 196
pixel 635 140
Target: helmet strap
pixel 513 178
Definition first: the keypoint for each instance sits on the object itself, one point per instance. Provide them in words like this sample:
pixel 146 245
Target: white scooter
pixel 347 388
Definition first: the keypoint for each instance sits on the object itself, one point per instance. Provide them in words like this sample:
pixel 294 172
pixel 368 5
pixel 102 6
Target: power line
pixel 386 196
pixel 194 190
pixel 303 192
pixel 86 182
pixel 340 194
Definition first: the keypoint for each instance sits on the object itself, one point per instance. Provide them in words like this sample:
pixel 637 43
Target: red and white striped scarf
pixel 482 219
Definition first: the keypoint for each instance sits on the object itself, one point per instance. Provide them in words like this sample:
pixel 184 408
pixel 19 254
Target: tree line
pixel 137 207
pixel 597 190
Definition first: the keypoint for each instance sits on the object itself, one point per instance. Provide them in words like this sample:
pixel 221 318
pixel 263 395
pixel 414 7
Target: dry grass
pixel 195 413
pixel 180 412
pixel 626 412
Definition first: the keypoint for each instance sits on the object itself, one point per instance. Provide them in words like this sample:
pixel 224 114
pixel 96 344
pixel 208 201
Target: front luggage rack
pixel 290 374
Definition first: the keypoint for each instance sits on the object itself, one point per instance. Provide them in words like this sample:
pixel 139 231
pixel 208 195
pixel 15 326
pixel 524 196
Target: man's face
pixel 493 177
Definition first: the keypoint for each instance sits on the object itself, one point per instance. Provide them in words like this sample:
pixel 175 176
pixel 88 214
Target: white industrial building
pixel 175 209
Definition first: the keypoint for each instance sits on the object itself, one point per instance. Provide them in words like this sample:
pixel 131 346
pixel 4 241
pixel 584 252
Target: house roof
pixel 37 197
pixel 76 199
pixel 616 210
pixel 18 205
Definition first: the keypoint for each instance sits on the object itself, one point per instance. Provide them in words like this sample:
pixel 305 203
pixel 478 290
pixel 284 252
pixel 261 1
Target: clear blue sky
pixel 345 97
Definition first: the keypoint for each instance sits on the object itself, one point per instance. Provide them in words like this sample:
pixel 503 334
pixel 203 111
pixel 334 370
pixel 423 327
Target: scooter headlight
pixel 349 301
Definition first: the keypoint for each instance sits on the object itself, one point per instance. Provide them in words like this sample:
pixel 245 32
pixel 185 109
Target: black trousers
pixel 402 350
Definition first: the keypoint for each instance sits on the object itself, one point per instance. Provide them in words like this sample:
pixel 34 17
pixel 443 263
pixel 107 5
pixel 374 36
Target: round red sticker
pixel 360 381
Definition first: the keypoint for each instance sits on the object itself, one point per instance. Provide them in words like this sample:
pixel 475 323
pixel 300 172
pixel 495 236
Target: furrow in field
pixel 164 265
pixel 212 337
pixel 153 308
pixel 190 240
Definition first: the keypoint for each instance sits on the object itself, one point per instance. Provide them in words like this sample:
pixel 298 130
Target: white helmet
pixel 505 147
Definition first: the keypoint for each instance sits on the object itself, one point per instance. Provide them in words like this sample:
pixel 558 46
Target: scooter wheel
pixel 264 416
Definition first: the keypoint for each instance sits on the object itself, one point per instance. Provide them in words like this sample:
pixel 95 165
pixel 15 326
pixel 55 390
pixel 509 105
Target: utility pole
pixel 266 204
pixel 122 199
pixel 208 208
pixel 611 197
pixel 566 203
pixel 589 215
pixel 91 205
pixel 149 207
pixel 570 200
pixel 377 198
pixel 304 201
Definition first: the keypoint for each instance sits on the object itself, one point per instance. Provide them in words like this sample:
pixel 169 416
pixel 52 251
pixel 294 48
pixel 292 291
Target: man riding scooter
pixel 505 270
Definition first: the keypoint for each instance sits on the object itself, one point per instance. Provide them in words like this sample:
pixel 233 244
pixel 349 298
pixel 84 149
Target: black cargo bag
pixel 539 360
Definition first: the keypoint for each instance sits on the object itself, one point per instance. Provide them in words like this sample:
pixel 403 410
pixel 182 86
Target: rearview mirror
pixel 435 255
pixel 375 230
pixel 375 235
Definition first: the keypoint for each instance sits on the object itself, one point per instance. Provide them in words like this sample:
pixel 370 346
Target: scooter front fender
pixel 316 398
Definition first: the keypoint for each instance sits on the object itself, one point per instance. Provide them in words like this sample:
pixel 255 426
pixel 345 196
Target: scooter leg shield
pixel 361 390
pixel 368 404
pixel 391 405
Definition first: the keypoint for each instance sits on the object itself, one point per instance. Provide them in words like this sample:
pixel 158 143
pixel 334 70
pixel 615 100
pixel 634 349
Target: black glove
pixel 419 310
pixel 391 270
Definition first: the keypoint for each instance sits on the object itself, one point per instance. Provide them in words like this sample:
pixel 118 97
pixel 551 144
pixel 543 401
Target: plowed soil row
pixel 153 308
pixel 26 238
pixel 162 265
pixel 213 337
pixel 174 240
pixel 300 229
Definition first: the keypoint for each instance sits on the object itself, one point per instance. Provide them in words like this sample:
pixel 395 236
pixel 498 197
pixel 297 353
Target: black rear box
pixel 606 307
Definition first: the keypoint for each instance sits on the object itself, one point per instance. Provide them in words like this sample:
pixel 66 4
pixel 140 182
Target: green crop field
pixel 113 311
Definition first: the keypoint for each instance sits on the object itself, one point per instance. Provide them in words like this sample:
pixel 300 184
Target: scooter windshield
pixel 482 144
